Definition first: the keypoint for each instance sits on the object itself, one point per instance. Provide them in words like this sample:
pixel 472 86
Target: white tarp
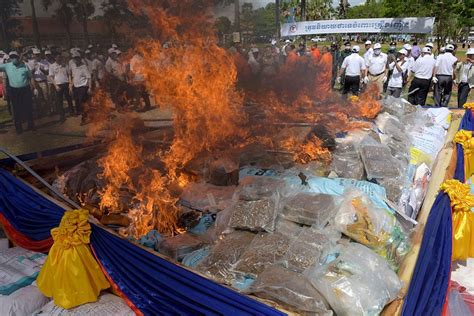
pixel 379 25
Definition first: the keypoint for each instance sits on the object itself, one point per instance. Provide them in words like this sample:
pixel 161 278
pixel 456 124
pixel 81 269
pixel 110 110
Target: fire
pixel 186 70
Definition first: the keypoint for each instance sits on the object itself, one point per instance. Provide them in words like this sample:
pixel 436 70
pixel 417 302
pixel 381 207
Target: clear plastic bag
pixel 348 166
pixel 286 227
pixel 357 282
pixel 254 188
pixel 291 289
pixel 265 250
pixel 207 197
pixel 310 209
pixel 359 219
pixel 379 162
pixel 179 246
pixel 224 255
pixel 308 248
pixel 255 215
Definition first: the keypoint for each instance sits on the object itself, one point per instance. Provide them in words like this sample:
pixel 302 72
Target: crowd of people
pixel 36 83
pixel 413 68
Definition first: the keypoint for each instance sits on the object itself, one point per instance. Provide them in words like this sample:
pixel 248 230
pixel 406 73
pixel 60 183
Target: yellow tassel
pixel 465 139
pixel 462 201
pixel 469 105
pixel 71 275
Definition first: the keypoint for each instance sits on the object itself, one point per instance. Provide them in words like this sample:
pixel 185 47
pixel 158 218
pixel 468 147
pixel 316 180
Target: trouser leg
pixel 355 85
pixel 437 92
pixel 80 95
pixel 463 92
pixel 423 92
pixel 15 100
pixel 448 87
pixel 60 93
pixel 413 97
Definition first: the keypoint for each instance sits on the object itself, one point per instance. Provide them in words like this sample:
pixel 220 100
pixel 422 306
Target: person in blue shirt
pixel 21 86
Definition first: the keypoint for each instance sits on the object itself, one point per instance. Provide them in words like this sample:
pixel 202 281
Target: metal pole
pixel 40 179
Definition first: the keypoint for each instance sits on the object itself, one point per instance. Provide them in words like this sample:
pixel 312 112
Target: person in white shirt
pixel 399 67
pixel 98 71
pixel 422 71
pixel 113 66
pixel 465 77
pixel 88 60
pixel 116 77
pixel 368 50
pixel 137 79
pixel 353 68
pixel 40 69
pixel 377 67
pixel 443 76
pixel 59 74
pixel 409 58
pixel 81 83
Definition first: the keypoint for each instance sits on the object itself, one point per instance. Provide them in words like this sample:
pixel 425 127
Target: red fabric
pixel 467 297
pixel 116 288
pixel 23 241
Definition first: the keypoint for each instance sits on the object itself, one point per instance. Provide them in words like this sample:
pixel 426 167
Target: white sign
pixel 382 25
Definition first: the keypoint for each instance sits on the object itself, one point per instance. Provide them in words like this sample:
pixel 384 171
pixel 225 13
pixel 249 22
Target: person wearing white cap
pixel 353 68
pixel 98 71
pixel 377 67
pixel 116 77
pixel 88 60
pixel 409 58
pixel 40 69
pixel 21 84
pixel 59 74
pixel 465 77
pixel 443 75
pixel 137 79
pixel 81 83
pixel 399 67
pixel 369 51
pixel 422 71
pixel 430 45
pixel 284 48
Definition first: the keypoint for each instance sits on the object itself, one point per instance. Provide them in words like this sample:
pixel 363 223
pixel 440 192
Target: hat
pixel 426 49
pixel 114 46
pixel 430 45
pixel 90 46
pixel 355 48
pixel 450 47
pixel 407 46
pixel 36 51
pixel 347 43
pixel 273 42
pixel 2 52
pixel 118 52
pixel 254 50
pixel 377 46
pixel 393 44
pixel 75 54
pixel 111 50
pixel 470 51
pixel 287 41
pixel 47 52
pixel 368 42
pixel 403 51
pixel 314 40
pixel 87 51
pixel 13 53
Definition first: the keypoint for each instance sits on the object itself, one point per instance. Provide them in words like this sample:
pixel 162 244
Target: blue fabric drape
pixel 459 171
pixel 158 287
pixel 467 122
pixel 427 292
pixel 28 212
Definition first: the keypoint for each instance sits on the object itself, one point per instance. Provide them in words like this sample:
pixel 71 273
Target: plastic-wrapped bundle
pixel 310 209
pixel 348 166
pixel 286 227
pixel 308 248
pixel 254 215
pixel 224 254
pixel 254 188
pixel 291 289
pixel 357 282
pixel 265 249
pixel 379 162
pixel 178 247
pixel 359 219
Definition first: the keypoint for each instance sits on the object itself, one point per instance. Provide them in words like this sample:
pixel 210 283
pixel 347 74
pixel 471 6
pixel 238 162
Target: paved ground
pixel 50 133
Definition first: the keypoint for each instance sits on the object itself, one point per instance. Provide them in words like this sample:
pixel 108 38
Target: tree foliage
pixel 259 22
pixel 8 8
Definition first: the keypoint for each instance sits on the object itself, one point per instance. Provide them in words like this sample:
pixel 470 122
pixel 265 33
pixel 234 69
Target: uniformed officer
pixel 377 67
pixel 353 68
pixel 409 59
pixel 443 76
pixel 21 84
pixel 399 67
pixel 422 71
pixel 368 50
pixel 465 77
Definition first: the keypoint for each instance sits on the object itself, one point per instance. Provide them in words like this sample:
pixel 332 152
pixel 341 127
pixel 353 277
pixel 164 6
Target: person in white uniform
pixel 353 68
pixel 444 76
pixel 422 71
pixel 465 77
pixel 377 67
pixel 40 69
pixel 59 74
pixel 368 50
pixel 409 58
pixel 399 67
pixel 81 83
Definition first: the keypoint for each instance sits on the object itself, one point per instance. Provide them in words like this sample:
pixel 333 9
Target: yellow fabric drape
pixel 71 275
pixel 465 139
pixel 469 105
pixel 462 201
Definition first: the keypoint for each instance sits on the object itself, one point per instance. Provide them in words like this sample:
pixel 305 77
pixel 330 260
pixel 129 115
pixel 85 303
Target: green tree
pixel 83 10
pixel 319 10
pixel 116 12
pixel 342 9
pixel 34 21
pixel 63 13
pixel 223 25
pixel 8 8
